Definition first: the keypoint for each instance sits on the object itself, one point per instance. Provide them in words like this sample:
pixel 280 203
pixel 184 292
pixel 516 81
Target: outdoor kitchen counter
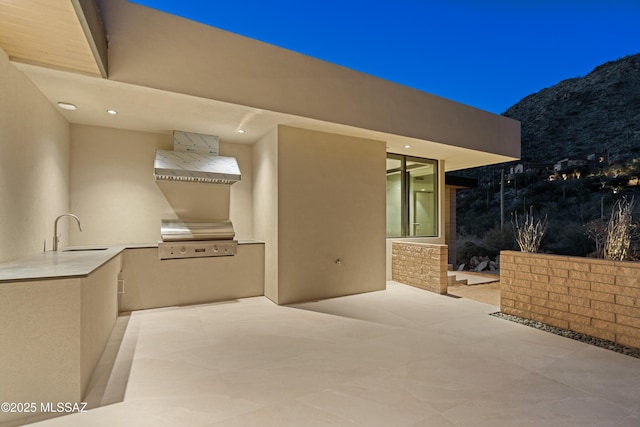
pixel 57 311
pixel 151 282
pixel 69 262
pixel 64 264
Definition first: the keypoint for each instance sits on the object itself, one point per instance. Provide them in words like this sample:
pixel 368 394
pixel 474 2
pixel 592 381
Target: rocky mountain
pixel 599 112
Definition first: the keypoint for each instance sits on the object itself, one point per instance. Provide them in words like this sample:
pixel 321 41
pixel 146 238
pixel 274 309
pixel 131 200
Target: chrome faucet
pixel 56 239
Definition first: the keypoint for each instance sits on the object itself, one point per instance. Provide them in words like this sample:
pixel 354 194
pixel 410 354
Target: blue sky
pixel 484 53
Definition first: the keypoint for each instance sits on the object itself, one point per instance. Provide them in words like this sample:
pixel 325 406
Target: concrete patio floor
pixel 400 357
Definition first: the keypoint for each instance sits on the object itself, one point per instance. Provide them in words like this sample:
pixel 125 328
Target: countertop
pixel 66 263
pixel 69 262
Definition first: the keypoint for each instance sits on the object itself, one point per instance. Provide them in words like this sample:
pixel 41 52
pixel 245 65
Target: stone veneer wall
pixel 423 265
pixel 591 296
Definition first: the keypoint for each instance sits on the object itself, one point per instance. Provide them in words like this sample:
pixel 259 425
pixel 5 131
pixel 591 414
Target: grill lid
pixel 174 230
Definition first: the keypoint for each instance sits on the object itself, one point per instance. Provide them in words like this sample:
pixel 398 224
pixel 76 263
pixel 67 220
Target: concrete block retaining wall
pixel 591 296
pixel 422 265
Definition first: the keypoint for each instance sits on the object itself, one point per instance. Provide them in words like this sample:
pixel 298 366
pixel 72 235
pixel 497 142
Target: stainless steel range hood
pixel 195 159
pixel 195 167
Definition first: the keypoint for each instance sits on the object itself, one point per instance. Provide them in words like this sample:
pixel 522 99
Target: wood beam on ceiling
pixel 65 35
pixel 89 17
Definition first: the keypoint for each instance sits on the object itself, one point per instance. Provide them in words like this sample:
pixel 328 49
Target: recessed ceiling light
pixel 241 131
pixel 67 106
pixel 112 111
pixel 407 146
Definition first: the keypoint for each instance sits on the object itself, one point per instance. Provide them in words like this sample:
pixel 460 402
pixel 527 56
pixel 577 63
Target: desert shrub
pixel 620 230
pixel 529 232
pixel 616 238
pixel 596 230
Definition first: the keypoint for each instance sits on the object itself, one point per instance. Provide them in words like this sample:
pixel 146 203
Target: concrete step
pixel 453 280
pixel 469 279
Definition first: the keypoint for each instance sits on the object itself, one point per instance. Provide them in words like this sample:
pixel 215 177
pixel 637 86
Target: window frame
pixel 405 189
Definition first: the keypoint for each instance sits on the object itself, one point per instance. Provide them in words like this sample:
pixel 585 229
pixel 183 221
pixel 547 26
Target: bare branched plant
pixel 620 230
pixel 529 233
pixel 597 231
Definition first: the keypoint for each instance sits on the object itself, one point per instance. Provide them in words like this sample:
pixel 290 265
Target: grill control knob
pixel 183 250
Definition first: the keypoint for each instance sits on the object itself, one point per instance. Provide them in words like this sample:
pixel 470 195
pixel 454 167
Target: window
pixel 412 196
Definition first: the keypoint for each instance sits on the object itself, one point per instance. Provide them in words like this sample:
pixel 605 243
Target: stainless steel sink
pixel 83 250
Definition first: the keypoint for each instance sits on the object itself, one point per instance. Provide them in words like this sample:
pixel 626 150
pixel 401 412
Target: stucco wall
pixel 591 296
pixel 115 194
pixel 34 166
pixel 265 206
pixel 331 215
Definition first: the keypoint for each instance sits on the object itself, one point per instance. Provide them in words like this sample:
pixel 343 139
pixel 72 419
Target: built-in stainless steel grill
pixel 195 239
